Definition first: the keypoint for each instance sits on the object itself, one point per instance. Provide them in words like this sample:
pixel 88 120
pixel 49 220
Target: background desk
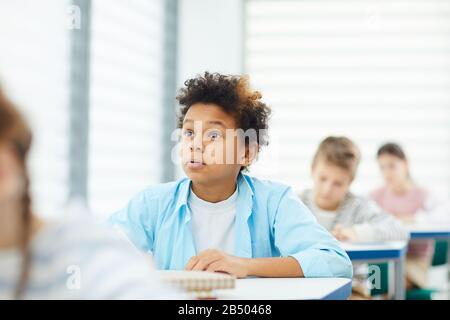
pixel 394 251
pixel 432 232
pixel 288 289
pixel 429 232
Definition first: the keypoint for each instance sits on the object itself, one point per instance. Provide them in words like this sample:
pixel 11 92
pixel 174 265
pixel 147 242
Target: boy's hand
pixel 216 261
pixel 344 234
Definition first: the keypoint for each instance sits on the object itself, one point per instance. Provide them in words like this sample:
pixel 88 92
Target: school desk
pixel 288 289
pixel 434 232
pixel 391 251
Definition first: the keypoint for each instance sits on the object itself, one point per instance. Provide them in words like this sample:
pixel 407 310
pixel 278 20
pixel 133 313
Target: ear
pixel 251 153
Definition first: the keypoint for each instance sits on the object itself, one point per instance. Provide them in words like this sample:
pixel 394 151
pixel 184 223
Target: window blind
pixel 126 115
pixel 374 71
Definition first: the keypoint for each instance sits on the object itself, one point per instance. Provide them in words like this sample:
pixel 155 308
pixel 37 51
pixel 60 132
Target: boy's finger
pixel 191 263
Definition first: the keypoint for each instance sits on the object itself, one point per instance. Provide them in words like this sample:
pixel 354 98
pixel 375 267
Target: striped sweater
pixel 370 222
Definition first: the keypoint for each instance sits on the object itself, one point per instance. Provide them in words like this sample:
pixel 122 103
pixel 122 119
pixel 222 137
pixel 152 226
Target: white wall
pixel 210 37
pixel 34 72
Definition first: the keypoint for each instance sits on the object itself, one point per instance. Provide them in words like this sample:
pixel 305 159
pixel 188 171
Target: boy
pixel 219 219
pixel 347 216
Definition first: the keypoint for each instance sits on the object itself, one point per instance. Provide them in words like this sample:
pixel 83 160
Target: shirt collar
pixel 244 199
pixel 243 244
pixel 182 194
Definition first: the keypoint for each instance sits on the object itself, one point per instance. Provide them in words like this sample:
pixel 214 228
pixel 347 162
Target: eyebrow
pixel 216 122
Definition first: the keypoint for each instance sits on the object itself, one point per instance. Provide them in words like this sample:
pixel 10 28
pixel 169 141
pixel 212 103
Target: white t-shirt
pixel 213 223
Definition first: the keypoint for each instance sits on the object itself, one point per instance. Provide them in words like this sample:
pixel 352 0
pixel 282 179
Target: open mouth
pixel 195 164
pixel 196 161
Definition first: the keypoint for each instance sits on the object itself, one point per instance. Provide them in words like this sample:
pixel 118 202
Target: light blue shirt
pixel 270 221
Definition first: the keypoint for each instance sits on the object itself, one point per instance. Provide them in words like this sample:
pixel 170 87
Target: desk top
pixel 432 231
pixel 360 251
pixel 288 289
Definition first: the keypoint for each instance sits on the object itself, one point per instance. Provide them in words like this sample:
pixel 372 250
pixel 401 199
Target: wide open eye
pixel 214 135
pixel 188 133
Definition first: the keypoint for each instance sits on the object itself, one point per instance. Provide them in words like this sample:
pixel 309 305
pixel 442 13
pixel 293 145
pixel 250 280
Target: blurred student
pixel 218 218
pixel 67 259
pixel 347 216
pixel 401 197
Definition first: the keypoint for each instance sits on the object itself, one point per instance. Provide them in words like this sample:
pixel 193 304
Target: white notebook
pixel 198 280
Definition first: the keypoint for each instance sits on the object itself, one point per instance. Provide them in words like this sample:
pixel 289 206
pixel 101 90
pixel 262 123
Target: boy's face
pixel 331 184
pixel 210 150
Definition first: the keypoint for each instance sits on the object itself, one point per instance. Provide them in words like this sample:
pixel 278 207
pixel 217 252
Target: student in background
pixel 401 197
pixel 218 218
pixel 347 216
pixel 67 259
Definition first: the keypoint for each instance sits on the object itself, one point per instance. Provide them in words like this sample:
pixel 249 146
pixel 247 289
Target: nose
pixel 197 143
pixel 327 189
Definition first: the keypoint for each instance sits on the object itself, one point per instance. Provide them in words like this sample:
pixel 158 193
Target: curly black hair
pixel 233 94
